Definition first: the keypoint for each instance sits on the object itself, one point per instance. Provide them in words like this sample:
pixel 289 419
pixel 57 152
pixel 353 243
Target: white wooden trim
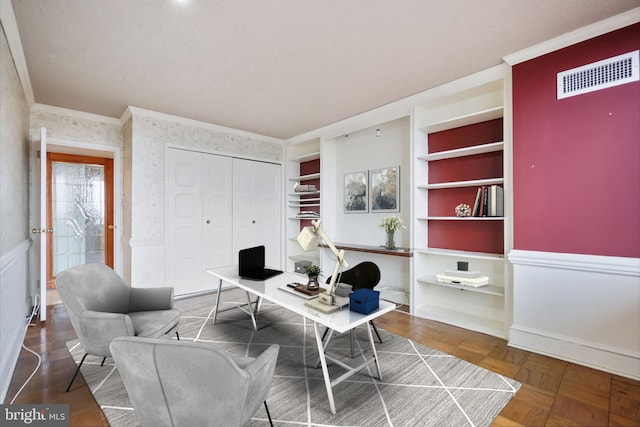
pixel 7 260
pixel 616 22
pixel 589 263
pixel 10 26
pixel 595 355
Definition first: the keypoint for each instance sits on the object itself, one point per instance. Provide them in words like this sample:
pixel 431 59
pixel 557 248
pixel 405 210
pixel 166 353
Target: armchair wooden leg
pixel 266 408
pixel 177 335
pixel 103 360
pixel 76 373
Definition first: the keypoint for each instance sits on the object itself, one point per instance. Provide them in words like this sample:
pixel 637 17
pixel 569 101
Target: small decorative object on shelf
pixel 463 210
pixel 313 271
pixel 391 224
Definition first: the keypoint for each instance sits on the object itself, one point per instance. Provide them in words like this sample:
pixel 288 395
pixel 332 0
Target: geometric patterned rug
pixel 420 386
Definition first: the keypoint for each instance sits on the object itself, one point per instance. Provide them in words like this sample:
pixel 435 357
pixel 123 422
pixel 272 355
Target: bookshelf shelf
pixel 457 218
pixel 489 290
pixel 460 184
pixel 305 177
pixel 462 152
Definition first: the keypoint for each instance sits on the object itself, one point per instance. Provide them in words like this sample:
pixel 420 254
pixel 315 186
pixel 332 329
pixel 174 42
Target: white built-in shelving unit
pixel 302 167
pixel 440 238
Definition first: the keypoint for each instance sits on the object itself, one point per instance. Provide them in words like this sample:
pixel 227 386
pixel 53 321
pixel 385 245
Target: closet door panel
pixel 257 208
pixel 183 211
pixel 217 231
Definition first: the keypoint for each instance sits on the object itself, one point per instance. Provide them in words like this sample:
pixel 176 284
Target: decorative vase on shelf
pixel 390 243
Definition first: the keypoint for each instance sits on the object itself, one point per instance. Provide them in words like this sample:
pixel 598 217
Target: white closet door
pixel 183 221
pixel 217 232
pixel 257 208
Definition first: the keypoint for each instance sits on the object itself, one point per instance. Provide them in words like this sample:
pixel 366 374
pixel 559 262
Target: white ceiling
pixel 274 67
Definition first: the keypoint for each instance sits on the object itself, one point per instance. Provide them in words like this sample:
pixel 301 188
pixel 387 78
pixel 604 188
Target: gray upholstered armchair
pixel 102 306
pixel 180 383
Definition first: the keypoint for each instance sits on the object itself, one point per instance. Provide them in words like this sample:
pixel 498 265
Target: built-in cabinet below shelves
pixel 453 156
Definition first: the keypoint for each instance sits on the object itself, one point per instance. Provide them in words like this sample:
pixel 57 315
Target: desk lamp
pixel 308 239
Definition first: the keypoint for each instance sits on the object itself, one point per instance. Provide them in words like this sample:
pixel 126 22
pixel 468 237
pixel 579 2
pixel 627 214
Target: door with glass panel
pixel 80 211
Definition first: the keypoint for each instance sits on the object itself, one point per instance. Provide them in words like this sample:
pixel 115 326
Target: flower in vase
pixel 391 223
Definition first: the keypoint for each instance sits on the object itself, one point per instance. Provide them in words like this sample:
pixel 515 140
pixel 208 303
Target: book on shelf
pixel 489 201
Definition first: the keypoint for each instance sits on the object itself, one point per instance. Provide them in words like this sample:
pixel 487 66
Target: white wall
pixel 586 299
pixel 362 150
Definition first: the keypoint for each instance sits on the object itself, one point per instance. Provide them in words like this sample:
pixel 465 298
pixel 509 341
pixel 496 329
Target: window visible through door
pixel 80 211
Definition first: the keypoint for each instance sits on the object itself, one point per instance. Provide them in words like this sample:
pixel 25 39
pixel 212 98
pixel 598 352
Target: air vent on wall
pixel 609 72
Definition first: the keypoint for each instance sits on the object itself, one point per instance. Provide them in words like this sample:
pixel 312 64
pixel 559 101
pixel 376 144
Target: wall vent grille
pixel 599 75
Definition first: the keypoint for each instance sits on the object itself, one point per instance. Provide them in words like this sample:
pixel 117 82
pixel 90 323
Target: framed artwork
pixel 384 185
pixel 355 192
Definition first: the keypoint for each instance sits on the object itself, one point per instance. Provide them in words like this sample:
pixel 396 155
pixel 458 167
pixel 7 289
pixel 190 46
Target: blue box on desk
pixel 364 301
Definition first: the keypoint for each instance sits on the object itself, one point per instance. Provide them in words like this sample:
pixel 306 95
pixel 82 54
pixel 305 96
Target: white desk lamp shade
pixel 308 239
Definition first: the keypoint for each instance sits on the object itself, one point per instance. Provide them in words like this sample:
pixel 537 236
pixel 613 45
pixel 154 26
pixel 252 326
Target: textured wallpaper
pixel 14 154
pixel 73 129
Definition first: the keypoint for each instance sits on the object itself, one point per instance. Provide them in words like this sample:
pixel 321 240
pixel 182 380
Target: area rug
pixel 420 386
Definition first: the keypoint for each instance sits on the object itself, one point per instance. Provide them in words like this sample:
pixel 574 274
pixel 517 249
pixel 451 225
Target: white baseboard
pixel 593 355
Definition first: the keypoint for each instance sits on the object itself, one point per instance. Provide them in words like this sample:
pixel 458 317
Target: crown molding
pixel 75 113
pixel 133 111
pixel 616 22
pixel 10 26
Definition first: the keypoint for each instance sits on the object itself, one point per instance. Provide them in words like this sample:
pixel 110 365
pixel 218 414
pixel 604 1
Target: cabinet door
pixel 257 207
pixel 183 221
pixel 217 231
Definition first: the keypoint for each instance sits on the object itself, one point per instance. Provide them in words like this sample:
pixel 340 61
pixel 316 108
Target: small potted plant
pixel 313 271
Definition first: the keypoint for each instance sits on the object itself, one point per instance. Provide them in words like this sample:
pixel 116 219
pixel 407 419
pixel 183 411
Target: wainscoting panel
pixel 15 303
pixel 580 308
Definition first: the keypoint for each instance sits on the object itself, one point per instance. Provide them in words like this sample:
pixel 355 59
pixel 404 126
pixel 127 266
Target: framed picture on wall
pixel 384 188
pixel 355 192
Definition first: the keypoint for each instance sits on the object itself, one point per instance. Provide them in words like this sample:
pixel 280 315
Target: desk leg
pixel 215 312
pixel 251 313
pixel 373 349
pixel 325 370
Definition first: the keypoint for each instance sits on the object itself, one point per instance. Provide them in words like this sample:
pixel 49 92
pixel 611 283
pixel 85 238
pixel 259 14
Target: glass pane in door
pixel 78 214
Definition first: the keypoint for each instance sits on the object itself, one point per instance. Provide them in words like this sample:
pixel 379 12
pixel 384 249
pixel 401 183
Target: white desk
pixel 340 321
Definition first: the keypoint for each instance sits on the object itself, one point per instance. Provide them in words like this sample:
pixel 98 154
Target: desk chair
pixel 363 275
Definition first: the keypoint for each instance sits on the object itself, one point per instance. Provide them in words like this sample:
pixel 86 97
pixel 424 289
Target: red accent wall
pixel 576 161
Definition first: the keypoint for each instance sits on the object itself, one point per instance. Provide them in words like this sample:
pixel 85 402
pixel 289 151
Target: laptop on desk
pixel 251 264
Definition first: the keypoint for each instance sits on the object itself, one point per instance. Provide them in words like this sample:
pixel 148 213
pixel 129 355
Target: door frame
pixel 56 145
pixel 107 164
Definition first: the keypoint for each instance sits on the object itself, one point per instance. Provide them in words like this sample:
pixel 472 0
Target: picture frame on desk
pixel 384 187
pixel 355 192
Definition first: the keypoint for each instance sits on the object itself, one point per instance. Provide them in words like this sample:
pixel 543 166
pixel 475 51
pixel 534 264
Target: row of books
pixel 489 201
